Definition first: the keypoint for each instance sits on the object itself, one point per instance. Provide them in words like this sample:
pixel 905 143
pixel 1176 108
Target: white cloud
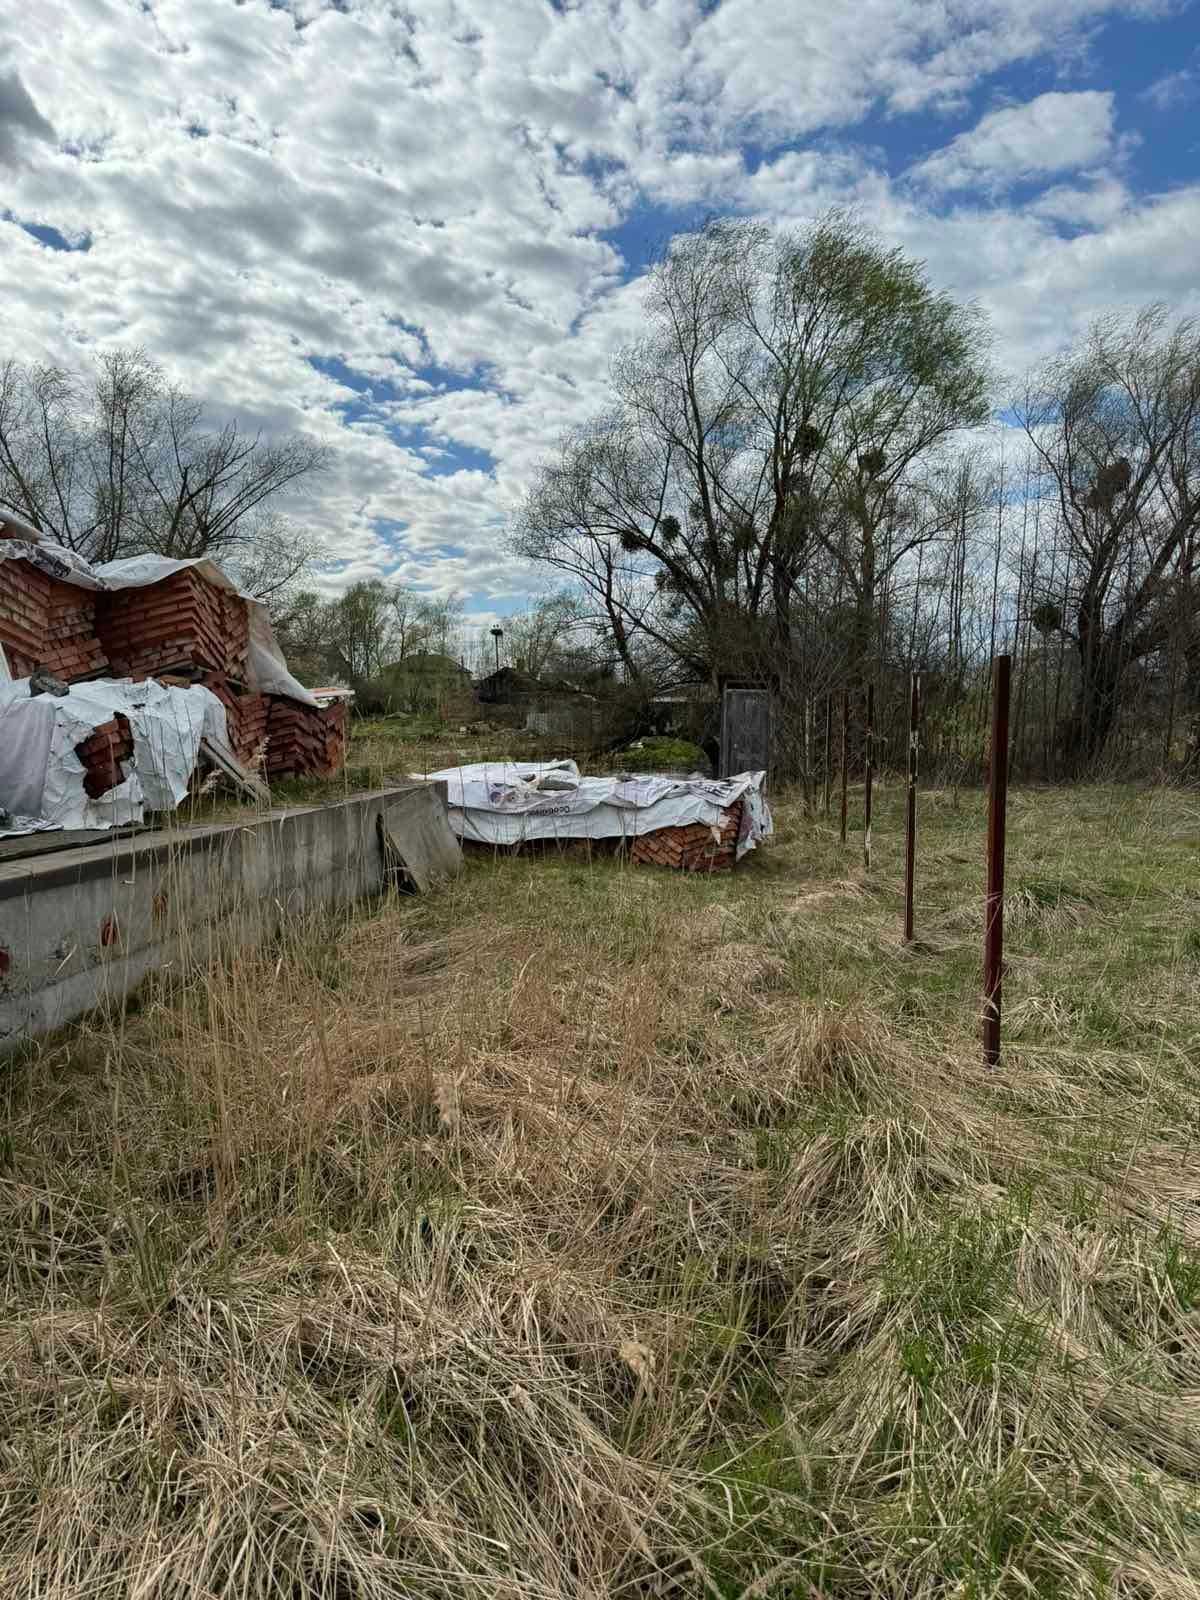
pixel 1057 132
pixel 1039 286
pixel 20 119
pixel 1174 89
pixel 1092 205
pixel 792 68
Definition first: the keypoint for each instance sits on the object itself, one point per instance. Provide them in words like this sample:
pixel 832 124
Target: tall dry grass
pixel 589 1232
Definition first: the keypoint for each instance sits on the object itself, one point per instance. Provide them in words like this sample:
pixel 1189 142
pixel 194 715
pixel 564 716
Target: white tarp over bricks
pixel 516 802
pixel 42 777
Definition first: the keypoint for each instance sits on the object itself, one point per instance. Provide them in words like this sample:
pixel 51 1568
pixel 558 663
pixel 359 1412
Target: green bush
pixel 667 754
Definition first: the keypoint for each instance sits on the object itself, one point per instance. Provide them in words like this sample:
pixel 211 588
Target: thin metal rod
pixel 910 818
pixel 993 937
pixel 868 775
pixel 845 751
pixel 828 748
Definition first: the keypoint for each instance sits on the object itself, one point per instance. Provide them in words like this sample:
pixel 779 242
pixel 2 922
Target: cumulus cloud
pixel 20 120
pixel 1174 89
pixel 1057 132
pixel 797 67
pixel 1092 205
pixel 1040 285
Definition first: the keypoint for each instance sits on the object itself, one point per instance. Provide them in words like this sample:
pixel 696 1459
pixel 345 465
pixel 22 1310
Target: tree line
pixel 378 635
pixel 810 476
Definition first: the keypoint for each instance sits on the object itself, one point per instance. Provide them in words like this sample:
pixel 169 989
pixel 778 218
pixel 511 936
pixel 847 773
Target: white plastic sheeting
pixel 41 777
pixel 55 560
pixel 511 802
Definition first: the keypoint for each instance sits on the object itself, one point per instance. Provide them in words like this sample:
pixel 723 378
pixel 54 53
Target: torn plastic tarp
pixel 41 777
pixel 511 802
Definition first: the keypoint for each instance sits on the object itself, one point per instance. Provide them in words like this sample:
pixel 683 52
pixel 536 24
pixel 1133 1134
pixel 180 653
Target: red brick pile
pixel 245 714
pixel 303 740
pixel 186 625
pixel 180 630
pixel 692 847
pixel 73 649
pixel 44 622
pixel 182 622
pixel 103 753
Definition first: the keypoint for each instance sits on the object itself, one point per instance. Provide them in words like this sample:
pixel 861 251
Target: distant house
pixel 423 681
pixel 675 711
pixel 432 664
pixel 508 687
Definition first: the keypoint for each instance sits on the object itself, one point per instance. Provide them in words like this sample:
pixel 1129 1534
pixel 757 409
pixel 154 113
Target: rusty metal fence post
pixel 993 935
pixel 910 817
pixel 845 754
pixel 868 774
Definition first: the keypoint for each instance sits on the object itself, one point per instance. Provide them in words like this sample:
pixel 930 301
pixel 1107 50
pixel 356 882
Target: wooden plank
pixel 223 759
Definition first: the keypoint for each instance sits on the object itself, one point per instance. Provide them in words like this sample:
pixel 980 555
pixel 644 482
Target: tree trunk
pixel 1190 771
pixel 1093 716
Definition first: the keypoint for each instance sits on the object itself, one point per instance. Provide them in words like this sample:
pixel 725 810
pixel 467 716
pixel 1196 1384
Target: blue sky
pixel 420 234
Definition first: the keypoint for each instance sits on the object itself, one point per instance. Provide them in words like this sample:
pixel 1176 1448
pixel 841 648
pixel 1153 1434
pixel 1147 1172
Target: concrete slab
pixel 80 926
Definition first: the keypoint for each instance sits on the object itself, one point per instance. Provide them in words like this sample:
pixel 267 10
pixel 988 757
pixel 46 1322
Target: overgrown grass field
pixel 588 1231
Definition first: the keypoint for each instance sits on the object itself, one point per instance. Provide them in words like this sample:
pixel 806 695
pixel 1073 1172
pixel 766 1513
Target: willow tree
pixel 791 390
pixel 1115 428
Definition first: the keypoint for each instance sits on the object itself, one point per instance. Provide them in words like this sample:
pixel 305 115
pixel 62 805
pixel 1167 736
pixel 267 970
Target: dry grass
pixel 592 1232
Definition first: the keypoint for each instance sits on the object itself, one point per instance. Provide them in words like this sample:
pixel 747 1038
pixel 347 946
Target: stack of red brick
pixel 104 753
pixel 180 623
pixel 303 740
pixel 44 622
pixel 693 847
pixel 245 717
pixel 182 629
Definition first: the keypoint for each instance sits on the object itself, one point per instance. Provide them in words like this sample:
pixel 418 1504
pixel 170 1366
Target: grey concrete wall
pixel 82 926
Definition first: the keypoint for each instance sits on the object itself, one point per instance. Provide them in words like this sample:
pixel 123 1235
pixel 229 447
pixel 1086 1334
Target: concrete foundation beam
pixel 83 926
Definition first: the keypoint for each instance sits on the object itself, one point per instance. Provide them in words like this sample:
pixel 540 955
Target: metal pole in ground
pixel 993 935
pixel 910 819
pixel 845 751
pixel 828 747
pixel 868 775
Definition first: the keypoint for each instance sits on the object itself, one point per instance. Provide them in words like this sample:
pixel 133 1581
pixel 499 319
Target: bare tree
pixel 124 463
pixel 272 557
pixel 302 628
pixel 1115 428
pixel 441 625
pixel 541 639
pixel 410 622
pixel 582 520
